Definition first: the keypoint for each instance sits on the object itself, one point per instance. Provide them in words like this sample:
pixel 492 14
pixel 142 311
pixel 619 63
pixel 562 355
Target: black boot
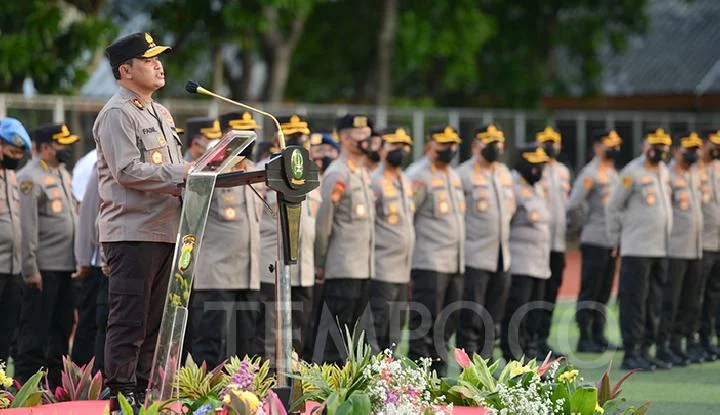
pixel 633 360
pixel 659 364
pixel 586 344
pixel 677 349
pixel 664 354
pixel 710 355
pixel 695 352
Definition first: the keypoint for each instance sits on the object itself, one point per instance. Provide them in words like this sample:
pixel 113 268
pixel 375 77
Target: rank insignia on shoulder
pixel 26 186
pixel 588 182
pixel 627 181
pixel 138 103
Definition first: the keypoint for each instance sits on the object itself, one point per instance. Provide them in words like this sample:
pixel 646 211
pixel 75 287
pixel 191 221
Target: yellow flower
pixel 518 370
pixel 5 381
pixel 226 399
pixel 599 409
pixel 568 376
pixel 250 400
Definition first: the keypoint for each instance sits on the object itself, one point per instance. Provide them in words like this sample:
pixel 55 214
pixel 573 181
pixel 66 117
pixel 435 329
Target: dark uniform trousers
pixel 212 313
pixel 10 300
pixel 641 296
pixel 86 296
pixel 597 274
pixel 101 320
pixel 711 295
pixel 519 324
pixel 301 298
pixel 552 286
pixel 388 304
pixel 433 291
pixel 137 290
pixel 46 320
pixel 681 300
pixel 344 304
pixel 489 291
pixel 314 319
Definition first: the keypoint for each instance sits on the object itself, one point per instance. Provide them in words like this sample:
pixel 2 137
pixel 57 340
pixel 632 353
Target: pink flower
pixel 462 358
pixel 547 363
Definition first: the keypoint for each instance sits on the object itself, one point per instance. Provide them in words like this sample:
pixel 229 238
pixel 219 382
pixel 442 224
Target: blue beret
pixel 13 132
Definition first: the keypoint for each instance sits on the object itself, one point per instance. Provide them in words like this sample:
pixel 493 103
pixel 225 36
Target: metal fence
pixel 519 126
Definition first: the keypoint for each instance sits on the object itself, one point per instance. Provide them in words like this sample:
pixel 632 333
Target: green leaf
pixel 29 388
pixel 583 401
pixel 124 405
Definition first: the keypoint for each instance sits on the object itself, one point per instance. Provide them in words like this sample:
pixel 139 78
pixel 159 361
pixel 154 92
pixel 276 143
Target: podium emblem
pixel 186 253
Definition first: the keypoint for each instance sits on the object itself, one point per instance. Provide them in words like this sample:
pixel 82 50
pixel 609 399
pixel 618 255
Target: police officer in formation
pixel 200 132
pixel 302 277
pixel 394 238
pixel 345 236
pixel 488 188
pixel 48 216
pixel 556 183
pixel 639 220
pixel 588 200
pixel 227 280
pixel 14 144
pixel 438 257
pixel 680 305
pixel 140 169
pixel 709 169
pixel 530 252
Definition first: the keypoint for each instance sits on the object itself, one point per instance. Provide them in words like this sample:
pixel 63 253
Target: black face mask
pixel 396 157
pixel 690 156
pixel 655 155
pixel 612 154
pixel 294 141
pixel 63 156
pixel 324 163
pixel 446 156
pixel 10 163
pixel 532 173
pixel 549 148
pixel 374 156
pixel 491 152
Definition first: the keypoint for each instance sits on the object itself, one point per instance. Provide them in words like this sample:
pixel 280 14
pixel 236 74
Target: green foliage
pixel 196 383
pixel 30 394
pixel 78 383
pixel 263 381
pixel 52 42
pixel 154 409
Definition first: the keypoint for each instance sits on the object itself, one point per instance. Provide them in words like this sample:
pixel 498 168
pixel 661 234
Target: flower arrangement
pixel 30 394
pixel 554 387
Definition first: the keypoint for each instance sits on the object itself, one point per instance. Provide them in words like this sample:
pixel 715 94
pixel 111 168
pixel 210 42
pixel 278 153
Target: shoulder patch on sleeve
pixel 338 190
pixel 627 181
pixel 26 186
pixel 588 182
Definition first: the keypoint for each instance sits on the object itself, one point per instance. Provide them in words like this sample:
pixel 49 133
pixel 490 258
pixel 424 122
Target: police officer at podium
pixel 140 167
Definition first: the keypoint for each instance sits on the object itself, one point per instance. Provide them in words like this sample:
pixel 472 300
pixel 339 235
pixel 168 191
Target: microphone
pixel 195 88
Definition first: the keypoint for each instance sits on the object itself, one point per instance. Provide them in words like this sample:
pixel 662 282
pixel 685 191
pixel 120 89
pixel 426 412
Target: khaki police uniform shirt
pixel 48 216
pixel 140 166
pixel 394 231
pixel 686 235
pixel 230 254
pixel 530 230
pixel 87 246
pixel 639 213
pixel 556 182
pixel 10 232
pixel 491 204
pixel 302 274
pixel 439 218
pixel 710 197
pixel 345 227
pixel 588 198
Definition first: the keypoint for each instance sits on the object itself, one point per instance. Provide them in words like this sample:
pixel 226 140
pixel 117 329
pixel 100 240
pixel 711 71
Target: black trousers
pixel 46 320
pixel 301 298
pixel 681 300
pixel 596 279
pixel 487 291
pixel 519 334
pixel 711 294
pixel 388 304
pixel 314 319
pixel 86 296
pixel 345 302
pixel 640 295
pixel 10 301
pixel 101 320
pixel 137 290
pixel 437 294
pixel 552 287
pixel 212 314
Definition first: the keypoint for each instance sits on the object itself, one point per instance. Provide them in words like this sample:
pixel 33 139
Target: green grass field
pixel 691 390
